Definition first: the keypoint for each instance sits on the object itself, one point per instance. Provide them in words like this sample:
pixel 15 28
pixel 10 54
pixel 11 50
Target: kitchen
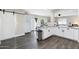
pixel 45 25
pixel 65 25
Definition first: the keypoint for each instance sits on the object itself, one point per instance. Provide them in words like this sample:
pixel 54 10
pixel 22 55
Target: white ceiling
pixel 17 10
pixel 42 12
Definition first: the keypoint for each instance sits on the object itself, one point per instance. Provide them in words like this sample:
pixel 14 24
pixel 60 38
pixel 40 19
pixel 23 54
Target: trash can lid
pixel 39 30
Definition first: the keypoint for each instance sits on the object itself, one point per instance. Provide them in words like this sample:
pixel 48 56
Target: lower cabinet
pixel 58 31
pixel 76 34
pixel 44 34
pixel 50 31
pixel 47 32
pixel 68 33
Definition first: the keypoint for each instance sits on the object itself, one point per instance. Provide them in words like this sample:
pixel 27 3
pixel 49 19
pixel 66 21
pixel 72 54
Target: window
pixel 62 21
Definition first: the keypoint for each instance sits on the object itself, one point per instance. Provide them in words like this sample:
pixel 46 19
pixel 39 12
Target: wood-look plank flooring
pixel 55 42
pixel 29 41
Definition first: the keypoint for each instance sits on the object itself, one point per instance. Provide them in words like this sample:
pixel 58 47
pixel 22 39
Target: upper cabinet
pixel 65 12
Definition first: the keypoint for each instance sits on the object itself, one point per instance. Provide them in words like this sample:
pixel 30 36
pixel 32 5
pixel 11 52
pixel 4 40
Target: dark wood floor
pixel 55 42
pixel 29 41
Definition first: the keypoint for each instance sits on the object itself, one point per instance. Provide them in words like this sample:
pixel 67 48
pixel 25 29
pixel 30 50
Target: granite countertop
pixel 68 27
pixel 44 27
pixel 75 27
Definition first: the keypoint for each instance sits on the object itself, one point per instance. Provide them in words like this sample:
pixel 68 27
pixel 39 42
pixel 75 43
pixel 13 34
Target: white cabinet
pixel 44 34
pixel 50 31
pixel 53 30
pixel 71 33
pixel 47 32
pixel 68 33
pixel 76 34
pixel 58 31
pixel 64 32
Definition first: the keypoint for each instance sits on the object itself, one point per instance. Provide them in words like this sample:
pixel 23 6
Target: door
pixel 8 25
pixel 20 24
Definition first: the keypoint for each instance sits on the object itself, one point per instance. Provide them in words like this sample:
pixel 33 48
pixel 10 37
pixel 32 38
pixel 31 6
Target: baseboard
pixel 19 35
pixel 13 37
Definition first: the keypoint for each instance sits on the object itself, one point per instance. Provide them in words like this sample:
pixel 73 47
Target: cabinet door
pixel 50 31
pixel 58 31
pixel 53 30
pixel 47 32
pixel 68 33
pixel 44 33
pixel 76 34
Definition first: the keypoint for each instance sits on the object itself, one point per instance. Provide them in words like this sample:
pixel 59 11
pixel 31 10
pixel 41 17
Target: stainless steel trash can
pixel 39 34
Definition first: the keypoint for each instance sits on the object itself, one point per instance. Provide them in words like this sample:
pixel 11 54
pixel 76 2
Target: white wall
pixel 28 24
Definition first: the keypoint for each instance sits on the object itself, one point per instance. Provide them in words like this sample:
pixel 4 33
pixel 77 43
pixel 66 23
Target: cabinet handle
pixel 48 30
pixel 62 30
pixel 67 28
pixel 58 27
